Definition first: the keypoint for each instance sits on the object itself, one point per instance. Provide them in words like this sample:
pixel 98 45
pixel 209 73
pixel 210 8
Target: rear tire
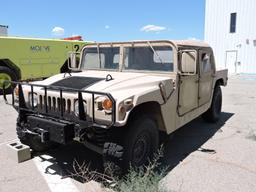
pixel 9 75
pixel 213 113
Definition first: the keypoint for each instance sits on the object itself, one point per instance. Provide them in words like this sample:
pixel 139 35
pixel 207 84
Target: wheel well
pixel 151 109
pixel 12 66
pixel 219 82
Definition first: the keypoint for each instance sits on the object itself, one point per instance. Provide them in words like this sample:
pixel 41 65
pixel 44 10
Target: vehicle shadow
pixel 71 160
pixel 67 160
pixel 190 138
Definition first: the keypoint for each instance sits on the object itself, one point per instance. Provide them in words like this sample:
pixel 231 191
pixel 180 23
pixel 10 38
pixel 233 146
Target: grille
pixel 54 104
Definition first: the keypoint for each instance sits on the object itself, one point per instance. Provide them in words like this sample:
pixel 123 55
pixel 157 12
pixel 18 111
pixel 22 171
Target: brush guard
pixel 82 119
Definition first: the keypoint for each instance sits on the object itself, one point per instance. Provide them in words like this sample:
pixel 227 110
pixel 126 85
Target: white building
pixel 3 30
pixel 230 28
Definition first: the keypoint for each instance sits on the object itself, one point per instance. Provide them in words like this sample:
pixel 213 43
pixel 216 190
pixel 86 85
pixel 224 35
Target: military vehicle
pixel 121 97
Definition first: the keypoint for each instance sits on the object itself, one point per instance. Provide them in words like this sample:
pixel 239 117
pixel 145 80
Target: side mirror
pixel 188 62
pixel 73 63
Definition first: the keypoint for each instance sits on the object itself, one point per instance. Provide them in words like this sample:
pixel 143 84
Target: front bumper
pixel 50 130
pixel 63 132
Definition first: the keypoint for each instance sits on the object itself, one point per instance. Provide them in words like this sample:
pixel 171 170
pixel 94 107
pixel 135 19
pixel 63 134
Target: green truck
pixel 29 58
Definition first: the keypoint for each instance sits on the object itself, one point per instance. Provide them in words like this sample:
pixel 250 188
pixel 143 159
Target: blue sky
pixel 109 20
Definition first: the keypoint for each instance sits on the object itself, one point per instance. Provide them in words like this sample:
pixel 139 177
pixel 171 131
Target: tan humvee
pixel 121 96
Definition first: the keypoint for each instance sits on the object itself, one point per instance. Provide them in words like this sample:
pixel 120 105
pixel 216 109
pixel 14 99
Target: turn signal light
pixel 107 104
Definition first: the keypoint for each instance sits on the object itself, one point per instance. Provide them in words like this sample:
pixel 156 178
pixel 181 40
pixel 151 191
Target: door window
pixel 206 63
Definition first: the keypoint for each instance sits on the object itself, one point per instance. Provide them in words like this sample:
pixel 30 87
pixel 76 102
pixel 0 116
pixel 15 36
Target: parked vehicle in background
pixel 121 97
pixel 30 59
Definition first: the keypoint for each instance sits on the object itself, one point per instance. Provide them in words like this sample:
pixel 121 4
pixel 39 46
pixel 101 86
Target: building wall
pixel 243 41
pixel 3 30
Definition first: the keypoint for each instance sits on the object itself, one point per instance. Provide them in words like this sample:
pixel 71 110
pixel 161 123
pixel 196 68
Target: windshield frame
pixel 122 46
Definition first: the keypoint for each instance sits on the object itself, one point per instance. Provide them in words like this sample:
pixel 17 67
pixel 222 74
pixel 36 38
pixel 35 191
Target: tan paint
pixel 189 94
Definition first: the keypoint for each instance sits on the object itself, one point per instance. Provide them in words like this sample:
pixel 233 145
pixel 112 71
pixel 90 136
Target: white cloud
pixel 152 28
pixel 192 38
pixel 107 26
pixel 58 31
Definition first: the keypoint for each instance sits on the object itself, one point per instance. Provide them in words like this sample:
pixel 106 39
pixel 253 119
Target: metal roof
pixel 176 43
pixel 190 43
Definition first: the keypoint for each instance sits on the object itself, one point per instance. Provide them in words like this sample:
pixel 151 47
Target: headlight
pixel 35 99
pixel 76 107
pixel 104 103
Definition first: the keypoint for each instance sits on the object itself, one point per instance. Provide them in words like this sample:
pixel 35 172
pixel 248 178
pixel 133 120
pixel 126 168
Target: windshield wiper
pixel 155 52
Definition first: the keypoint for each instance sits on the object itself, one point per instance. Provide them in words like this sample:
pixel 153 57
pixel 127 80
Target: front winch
pixel 49 130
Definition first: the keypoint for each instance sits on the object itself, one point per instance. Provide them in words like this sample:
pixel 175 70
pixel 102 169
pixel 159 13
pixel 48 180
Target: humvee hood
pixel 97 81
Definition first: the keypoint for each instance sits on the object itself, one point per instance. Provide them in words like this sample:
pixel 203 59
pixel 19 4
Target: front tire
pixel 213 113
pixel 140 143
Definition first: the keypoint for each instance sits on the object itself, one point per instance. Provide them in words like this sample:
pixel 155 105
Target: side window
pixel 188 62
pixel 233 19
pixel 206 65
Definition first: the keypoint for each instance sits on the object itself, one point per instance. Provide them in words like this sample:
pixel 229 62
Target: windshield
pixel 100 58
pixel 144 58
pixel 149 58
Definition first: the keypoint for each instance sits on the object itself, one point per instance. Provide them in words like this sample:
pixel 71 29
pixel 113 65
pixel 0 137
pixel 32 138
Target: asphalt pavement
pixel 200 157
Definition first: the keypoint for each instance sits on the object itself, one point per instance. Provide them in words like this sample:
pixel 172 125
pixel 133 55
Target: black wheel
pixel 140 143
pixel 33 141
pixel 213 113
pixel 6 74
pixel 112 159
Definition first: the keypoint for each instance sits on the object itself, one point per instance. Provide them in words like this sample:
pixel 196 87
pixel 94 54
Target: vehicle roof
pixel 196 43
pixel 176 43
